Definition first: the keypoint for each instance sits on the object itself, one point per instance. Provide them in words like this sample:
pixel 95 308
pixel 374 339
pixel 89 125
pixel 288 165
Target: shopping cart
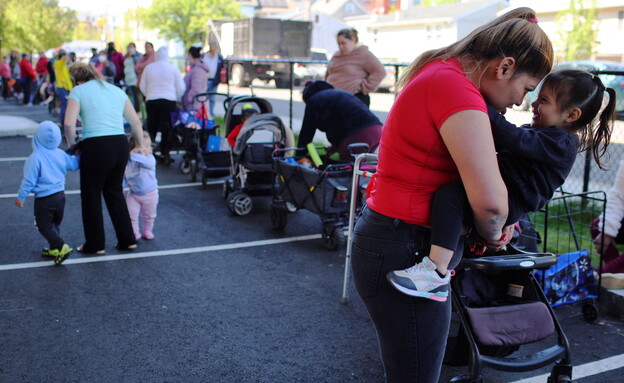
pixel 563 227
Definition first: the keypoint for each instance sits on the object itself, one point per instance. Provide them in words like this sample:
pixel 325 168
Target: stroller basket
pixel 500 307
pixel 313 189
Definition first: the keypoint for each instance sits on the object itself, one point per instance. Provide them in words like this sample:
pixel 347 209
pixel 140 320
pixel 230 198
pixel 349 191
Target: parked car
pixel 311 71
pixel 387 84
pixel 615 81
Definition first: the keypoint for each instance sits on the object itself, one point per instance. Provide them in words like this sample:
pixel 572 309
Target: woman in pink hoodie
pixel 5 73
pixel 354 68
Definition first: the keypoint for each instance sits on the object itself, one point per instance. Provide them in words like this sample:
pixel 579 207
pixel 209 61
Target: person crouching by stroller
pixel 44 175
pixel 140 178
pixel 343 117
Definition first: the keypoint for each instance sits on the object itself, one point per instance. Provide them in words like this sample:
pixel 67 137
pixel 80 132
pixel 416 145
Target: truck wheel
pixel 237 78
pixel 282 82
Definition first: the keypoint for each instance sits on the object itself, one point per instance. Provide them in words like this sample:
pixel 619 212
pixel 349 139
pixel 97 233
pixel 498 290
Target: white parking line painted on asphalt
pixel 160 253
pixel 585 370
pixel 160 187
pixel 10 159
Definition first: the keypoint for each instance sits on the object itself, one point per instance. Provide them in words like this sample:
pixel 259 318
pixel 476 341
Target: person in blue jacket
pixel 44 175
pixel 344 118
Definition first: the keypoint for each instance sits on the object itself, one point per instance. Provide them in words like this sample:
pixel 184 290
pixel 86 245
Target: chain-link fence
pixel 585 175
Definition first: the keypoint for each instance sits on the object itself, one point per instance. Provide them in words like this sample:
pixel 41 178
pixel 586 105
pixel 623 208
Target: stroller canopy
pixel 234 109
pixel 268 122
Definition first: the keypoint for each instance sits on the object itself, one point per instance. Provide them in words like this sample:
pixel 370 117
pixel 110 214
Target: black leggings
pixel 102 164
pixel 48 217
pixel 450 209
pixel 159 119
pixel 365 98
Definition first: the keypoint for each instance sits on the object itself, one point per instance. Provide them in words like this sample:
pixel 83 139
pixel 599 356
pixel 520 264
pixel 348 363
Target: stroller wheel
pixel 279 217
pixel 466 379
pixel 193 164
pixel 239 203
pixel 185 166
pixel 227 189
pixel 333 236
pixel 590 312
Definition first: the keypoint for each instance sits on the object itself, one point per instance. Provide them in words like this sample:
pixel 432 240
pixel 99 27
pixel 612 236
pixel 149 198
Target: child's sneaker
pixel 46 253
pixel 61 255
pixel 148 235
pixel 421 280
pixel 137 236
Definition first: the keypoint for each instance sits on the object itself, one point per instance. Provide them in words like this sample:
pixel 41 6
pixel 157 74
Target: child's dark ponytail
pixel 583 90
pixel 602 133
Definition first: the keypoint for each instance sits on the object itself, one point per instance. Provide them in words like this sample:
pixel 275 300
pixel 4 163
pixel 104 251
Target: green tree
pixel 32 25
pixel 577 30
pixel 186 20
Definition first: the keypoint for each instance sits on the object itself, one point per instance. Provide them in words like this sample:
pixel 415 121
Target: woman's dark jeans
pixel 411 331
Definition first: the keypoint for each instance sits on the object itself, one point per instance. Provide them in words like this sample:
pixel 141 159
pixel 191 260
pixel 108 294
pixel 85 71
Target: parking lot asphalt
pixel 214 298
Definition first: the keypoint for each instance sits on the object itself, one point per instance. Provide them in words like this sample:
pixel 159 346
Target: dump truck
pixel 246 41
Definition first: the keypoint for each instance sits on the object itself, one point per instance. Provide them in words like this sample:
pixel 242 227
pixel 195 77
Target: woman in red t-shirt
pixel 437 132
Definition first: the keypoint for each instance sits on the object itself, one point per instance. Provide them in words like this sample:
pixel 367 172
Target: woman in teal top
pixel 104 150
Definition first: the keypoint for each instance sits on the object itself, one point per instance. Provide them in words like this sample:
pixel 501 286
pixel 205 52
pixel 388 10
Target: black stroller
pixel 499 306
pixel 251 173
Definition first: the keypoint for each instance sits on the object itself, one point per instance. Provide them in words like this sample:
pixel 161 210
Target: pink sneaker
pixel 148 235
pixel 137 236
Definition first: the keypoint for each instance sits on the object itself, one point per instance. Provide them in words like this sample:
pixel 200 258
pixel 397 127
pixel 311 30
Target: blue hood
pixel 45 168
pixel 48 136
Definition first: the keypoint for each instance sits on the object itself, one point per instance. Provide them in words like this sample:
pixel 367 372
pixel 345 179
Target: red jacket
pixel 42 66
pixel 26 70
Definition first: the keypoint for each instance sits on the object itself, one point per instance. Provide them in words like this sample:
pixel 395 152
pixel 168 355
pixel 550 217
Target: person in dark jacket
pixel 344 118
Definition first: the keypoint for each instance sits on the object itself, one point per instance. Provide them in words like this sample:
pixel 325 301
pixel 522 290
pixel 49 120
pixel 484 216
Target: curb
pixel 17 126
pixel 612 302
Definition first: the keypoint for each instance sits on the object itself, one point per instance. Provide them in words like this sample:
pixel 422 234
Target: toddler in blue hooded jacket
pixel 44 175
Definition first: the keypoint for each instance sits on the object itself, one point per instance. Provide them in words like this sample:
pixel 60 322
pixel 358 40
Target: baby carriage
pixel 190 132
pixel 252 163
pixel 324 191
pixel 563 227
pixel 499 307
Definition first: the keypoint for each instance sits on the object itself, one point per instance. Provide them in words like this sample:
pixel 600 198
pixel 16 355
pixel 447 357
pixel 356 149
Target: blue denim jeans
pixel 211 98
pixel 412 332
pixel 62 95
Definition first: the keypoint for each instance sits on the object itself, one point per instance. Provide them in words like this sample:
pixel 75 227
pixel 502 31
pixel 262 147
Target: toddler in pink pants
pixel 140 178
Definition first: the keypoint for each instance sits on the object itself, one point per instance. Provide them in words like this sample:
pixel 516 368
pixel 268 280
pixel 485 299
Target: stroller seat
pixel 500 307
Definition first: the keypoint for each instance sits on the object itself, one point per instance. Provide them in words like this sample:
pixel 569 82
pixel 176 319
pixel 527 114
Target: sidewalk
pixel 16 126
pixel 19 120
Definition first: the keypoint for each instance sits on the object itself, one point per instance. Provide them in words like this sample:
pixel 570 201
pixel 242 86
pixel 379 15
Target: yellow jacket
pixel 63 80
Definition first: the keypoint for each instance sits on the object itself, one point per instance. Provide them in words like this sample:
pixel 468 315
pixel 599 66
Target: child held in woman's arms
pixel 44 175
pixel 534 161
pixel 140 178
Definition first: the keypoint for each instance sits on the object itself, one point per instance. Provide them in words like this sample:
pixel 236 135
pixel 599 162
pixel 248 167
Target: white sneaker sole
pixel 416 293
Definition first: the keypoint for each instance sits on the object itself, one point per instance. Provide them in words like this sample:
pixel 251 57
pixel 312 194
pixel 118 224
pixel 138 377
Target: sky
pixel 102 6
